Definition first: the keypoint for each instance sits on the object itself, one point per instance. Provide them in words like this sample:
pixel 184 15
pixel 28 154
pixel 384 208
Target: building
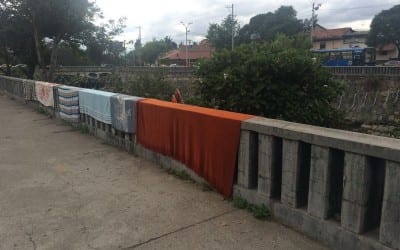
pixel 338 38
pixel 348 38
pixel 194 53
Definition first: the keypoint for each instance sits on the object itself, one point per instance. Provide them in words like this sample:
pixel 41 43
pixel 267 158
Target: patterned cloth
pixel 29 90
pixel 96 103
pixel 123 112
pixel 45 93
pixel 68 102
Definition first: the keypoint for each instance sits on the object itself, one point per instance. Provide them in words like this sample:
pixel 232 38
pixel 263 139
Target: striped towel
pixel 68 102
pixel 123 112
pixel 45 94
pixel 96 103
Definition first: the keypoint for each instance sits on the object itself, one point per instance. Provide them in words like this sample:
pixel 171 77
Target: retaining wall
pixel 339 187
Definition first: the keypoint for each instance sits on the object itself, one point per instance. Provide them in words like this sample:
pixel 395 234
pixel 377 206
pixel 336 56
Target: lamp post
pixel 187 30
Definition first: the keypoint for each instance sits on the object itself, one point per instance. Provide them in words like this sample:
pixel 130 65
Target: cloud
pixel 160 18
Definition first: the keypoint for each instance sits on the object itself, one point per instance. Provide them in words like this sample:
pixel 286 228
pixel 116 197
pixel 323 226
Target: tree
pixel 220 35
pixel 385 28
pixel 153 49
pixel 102 48
pixel 276 80
pixel 16 40
pixel 53 22
pixel 265 27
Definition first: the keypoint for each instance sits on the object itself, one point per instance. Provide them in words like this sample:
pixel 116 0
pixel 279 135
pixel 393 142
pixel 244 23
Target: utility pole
pixel 233 24
pixel 140 43
pixel 315 7
pixel 186 43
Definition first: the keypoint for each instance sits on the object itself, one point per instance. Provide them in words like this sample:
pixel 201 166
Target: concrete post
pixel 266 158
pixel 356 188
pixel 290 172
pixel 318 198
pixel 390 220
pixel 246 165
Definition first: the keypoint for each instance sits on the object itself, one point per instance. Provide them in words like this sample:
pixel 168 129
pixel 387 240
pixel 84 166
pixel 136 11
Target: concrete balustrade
pixel 336 186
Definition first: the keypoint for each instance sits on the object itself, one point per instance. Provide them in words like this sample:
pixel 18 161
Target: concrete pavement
pixel 61 189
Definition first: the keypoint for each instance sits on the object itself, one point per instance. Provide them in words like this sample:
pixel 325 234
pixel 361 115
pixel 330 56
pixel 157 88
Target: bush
pixel 275 80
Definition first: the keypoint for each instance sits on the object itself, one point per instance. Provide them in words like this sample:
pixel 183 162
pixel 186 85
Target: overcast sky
pixel 160 18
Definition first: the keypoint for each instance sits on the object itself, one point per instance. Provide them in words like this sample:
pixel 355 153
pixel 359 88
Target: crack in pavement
pixel 178 230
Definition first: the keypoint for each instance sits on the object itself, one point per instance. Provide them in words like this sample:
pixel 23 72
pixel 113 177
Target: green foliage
pixel 265 27
pixel 153 49
pixel 220 35
pixel 239 202
pixel 180 174
pixel 259 212
pixel 150 86
pixel 385 28
pixel 83 129
pixel 275 80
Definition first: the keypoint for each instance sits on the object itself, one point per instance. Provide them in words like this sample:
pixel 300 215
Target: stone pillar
pixel 266 161
pixel 246 164
pixel 390 220
pixel 290 172
pixel 356 188
pixel 318 197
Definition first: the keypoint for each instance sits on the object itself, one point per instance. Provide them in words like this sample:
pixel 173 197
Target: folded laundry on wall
pixel 96 103
pixel 68 101
pixel 44 93
pixel 123 112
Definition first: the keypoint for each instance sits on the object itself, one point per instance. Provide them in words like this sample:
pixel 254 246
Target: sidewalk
pixel 61 189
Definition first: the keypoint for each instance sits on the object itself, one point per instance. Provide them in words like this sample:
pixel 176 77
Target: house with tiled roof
pixel 348 38
pixel 192 52
pixel 338 38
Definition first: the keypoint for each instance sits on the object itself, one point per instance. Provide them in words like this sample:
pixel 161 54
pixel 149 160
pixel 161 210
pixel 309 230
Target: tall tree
pixel 265 27
pixel 385 28
pixel 153 49
pixel 54 22
pixel 220 35
pixel 16 39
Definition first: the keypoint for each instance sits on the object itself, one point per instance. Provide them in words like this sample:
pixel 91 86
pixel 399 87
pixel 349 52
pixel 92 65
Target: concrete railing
pixel 97 69
pixel 365 70
pixel 340 187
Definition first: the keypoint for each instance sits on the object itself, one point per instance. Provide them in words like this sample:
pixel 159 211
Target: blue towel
pixel 96 103
pixel 123 112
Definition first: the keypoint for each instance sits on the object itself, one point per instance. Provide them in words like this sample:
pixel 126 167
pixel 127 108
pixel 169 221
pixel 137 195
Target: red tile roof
pixel 386 47
pixel 331 34
pixel 203 50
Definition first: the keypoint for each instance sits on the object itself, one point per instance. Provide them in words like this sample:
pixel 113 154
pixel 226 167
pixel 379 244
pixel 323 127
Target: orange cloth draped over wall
pixel 206 140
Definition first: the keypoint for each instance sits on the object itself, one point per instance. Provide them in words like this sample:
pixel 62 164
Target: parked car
pixel 392 63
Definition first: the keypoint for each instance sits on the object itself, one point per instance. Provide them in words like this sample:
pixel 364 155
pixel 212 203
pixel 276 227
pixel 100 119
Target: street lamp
pixel 187 30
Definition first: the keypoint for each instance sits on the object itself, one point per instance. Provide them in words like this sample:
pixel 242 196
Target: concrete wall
pixel 370 99
pixel 339 187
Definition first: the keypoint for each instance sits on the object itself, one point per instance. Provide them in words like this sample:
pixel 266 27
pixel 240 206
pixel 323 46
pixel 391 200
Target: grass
pixel 83 129
pixel 260 212
pixel 180 174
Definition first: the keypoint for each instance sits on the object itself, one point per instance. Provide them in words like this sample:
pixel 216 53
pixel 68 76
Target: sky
pixel 160 18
